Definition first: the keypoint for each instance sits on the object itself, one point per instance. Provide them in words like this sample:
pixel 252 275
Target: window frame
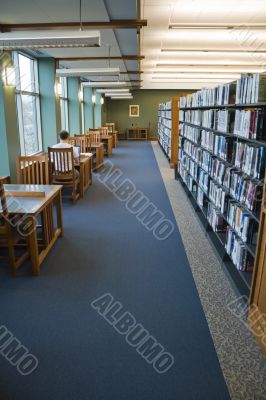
pixel 35 94
pixel 63 99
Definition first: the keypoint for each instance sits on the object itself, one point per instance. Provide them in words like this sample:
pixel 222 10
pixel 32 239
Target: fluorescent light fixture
pixel 110 94
pixel 217 25
pixel 234 51
pixel 197 75
pixel 212 70
pixel 43 39
pixel 9 76
pixel 93 99
pixel 112 90
pixel 87 72
pixel 199 80
pixel 104 84
pixel 102 100
pixel 122 98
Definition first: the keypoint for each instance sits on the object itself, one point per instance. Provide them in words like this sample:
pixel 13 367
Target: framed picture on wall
pixel 134 110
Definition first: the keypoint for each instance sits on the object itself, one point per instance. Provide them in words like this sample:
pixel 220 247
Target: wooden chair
pixel 104 130
pixel 10 236
pixel 62 170
pixel 32 170
pixel 72 140
pixel 94 137
pixel 110 126
pixel 82 142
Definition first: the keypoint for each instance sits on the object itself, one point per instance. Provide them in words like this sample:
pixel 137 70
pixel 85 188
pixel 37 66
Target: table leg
pixel 110 146
pixel 81 177
pixel 33 245
pixel 59 213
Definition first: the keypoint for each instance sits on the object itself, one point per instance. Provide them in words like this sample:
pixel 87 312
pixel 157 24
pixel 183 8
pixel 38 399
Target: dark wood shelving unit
pixel 242 279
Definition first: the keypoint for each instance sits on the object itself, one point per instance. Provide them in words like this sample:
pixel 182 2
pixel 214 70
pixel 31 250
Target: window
pixel 28 104
pixel 64 104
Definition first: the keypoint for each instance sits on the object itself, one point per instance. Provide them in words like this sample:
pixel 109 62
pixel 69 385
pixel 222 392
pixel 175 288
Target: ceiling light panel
pixel 104 84
pixel 112 90
pixel 49 39
pixel 87 71
pixel 122 98
pixel 198 75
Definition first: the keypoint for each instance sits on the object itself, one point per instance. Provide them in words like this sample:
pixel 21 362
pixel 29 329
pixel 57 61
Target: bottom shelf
pixel 241 280
pixel 166 155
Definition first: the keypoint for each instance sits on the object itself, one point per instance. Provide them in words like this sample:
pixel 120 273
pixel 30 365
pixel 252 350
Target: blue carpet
pixel 106 249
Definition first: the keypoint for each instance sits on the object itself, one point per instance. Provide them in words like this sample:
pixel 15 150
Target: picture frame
pixel 134 110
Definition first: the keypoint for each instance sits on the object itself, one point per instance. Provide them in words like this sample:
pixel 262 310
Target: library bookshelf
pixel 226 187
pixel 168 114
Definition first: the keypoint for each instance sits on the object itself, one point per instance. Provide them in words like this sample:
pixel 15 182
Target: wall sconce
pixel 81 95
pixel 9 76
pixel 102 100
pixel 58 89
pixel 93 99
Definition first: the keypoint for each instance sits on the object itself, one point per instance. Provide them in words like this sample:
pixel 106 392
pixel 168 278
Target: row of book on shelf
pixel 224 215
pixel 250 124
pixel 165 127
pixel 249 158
pixel 249 89
pixel 165 106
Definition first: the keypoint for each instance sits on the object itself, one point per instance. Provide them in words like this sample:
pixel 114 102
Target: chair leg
pixel 75 192
pixel 12 257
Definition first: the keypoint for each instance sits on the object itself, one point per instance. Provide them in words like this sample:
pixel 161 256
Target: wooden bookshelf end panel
pixel 257 312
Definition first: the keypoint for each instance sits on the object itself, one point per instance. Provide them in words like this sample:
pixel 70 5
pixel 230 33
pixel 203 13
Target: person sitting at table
pixel 63 144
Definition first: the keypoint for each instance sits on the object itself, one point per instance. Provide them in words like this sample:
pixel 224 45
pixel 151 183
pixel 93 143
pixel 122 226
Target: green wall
pixel 148 101
pixel 48 102
pixel 97 111
pixel 74 105
pixel 4 159
pixel 88 111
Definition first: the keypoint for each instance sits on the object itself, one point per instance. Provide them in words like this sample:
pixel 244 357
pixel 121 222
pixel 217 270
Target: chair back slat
pixel 32 170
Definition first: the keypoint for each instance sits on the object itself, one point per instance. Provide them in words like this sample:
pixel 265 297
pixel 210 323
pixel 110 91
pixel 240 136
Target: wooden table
pixel 85 171
pixel 108 141
pixel 30 208
pixel 99 154
pixel 5 179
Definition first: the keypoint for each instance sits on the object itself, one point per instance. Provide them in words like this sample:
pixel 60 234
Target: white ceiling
pixel 157 36
pixel 122 41
pixel 195 66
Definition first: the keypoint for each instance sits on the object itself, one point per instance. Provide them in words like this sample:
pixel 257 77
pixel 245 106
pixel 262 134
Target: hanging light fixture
pixel 50 39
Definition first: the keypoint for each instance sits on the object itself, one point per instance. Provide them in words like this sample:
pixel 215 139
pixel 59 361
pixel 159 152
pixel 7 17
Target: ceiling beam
pixel 127 58
pixel 113 24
